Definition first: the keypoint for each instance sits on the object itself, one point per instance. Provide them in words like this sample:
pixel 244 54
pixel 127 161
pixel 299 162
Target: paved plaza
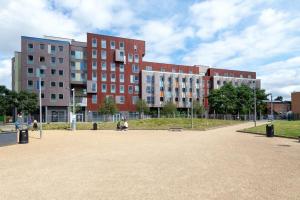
pixel 214 164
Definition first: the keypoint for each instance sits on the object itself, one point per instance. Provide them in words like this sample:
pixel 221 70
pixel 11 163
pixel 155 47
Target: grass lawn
pixel 281 128
pixel 151 124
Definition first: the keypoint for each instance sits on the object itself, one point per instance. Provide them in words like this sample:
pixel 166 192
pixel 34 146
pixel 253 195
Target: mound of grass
pixel 281 128
pixel 149 124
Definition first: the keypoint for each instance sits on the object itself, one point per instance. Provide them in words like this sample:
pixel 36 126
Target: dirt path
pixel 215 164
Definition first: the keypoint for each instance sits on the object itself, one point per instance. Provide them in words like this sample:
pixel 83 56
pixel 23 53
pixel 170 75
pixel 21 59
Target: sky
pixel 253 35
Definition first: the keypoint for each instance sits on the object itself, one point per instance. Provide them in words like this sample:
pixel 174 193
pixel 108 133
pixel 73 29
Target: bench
pixel 179 129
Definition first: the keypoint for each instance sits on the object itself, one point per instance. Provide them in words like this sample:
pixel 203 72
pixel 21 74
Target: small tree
pixel 108 107
pixel 169 109
pixel 27 102
pixel 142 107
pixel 198 108
pixel 279 98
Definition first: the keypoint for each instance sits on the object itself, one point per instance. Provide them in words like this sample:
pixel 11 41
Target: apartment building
pixel 108 66
pixel 296 102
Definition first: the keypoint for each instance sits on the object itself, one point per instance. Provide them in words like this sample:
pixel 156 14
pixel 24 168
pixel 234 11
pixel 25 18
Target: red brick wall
pixel 110 56
pixel 233 73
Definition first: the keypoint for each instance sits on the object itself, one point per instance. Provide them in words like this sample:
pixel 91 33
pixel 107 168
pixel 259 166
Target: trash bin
pixel 23 136
pixel 270 130
pixel 95 126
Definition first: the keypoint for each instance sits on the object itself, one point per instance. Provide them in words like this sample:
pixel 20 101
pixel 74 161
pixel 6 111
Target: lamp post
pixel 40 97
pixel 254 92
pixel 271 107
pixel 74 114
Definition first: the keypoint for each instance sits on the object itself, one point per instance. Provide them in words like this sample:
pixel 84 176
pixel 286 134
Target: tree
pixel 4 102
pixel 142 107
pixel 169 109
pixel 279 98
pixel 27 102
pixel 109 107
pixel 198 108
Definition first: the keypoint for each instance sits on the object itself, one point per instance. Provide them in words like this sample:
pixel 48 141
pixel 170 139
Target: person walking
pixel 35 125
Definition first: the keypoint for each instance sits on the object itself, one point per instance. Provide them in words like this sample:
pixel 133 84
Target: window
pixel 73 75
pixel 121 67
pixel 148 68
pixel 42 59
pixel 53 97
pixel 130 57
pixel 94 64
pixel 60 48
pixel 42 46
pixel 134 99
pixel 61 84
pixel 53 60
pixel 113 77
pixel 161 98
pixel 113 88
pixel 60 60
pixel 103 54
pixel 103 65
pixel 162 69
pixel 30 83
pixel 94 75
pixel 30 46
pixel 42 72
pixel 94 42
pixel 135 48
pixel 148 89
pixel 134 79
pixel 121 78
pixel 103 44
pixel 94 99
pixel 122 99
pixel 136 89
pixel 53 84
pixel 103 77
pixel 29 70
pixel 43 95
pixel 183 80
pixel 61 72
pixel 112 45
pixel 72 53
pixel 38 84
pixel 94 87
pixel 112 67
pixel 130 89
pixel 150 100
pixel 122 45
pixel 53 71
pixel 149 79
pixel 135 68
pixel 136 58
pixel 122 89
pixel 94 53
pixel 52 49
pixel 30 59
pixel 103 88
pixel 61 96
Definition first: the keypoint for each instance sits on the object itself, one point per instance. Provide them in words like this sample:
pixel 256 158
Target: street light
pixel 271 105
pixel 74 114
pixel 254 91
pixel 40 95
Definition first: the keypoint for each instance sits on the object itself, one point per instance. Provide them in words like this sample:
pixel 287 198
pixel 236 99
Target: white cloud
pixel 163 38
pixel 264 40
pixel 216 15
pixel 5 72
pixel 282 77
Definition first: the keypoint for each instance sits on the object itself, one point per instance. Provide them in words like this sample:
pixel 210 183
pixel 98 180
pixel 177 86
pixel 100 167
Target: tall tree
pixel 4 103
pixel 279 98
pixel 198 108
pixel 109 107
pixel 169 109
pixel 142 107
pixel 26 102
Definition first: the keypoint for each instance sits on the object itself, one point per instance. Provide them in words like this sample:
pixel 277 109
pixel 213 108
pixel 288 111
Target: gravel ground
pixel 215 164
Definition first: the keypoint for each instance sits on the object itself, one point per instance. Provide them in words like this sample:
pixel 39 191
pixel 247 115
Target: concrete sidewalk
pixel 215 164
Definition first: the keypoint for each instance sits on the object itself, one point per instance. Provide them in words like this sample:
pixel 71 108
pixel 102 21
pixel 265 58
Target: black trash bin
pixel 95 126
pixel 23 136
pixel 270 130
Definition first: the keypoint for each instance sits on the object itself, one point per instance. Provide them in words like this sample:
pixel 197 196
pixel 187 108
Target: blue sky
pixel 255 35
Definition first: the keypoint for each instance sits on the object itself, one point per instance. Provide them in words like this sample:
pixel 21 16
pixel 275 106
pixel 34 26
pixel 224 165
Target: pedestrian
pixel 35 126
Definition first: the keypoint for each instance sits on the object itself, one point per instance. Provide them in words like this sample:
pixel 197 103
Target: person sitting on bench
pixel 119 127
pixel 125 126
